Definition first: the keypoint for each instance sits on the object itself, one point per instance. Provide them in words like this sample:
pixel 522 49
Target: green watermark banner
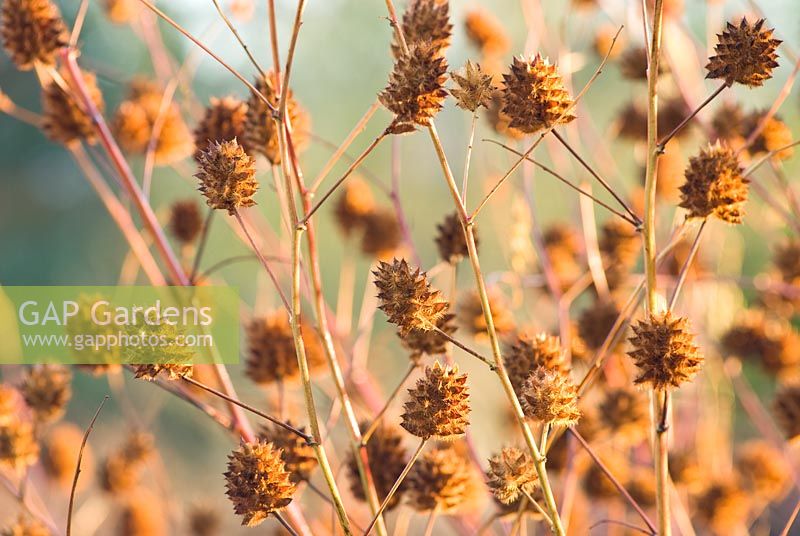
pixel 107 325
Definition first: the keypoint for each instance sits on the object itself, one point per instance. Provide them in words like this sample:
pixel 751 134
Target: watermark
pixel 105 325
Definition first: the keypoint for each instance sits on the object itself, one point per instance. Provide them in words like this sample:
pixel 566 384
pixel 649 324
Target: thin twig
pixel 791 520
pixel 464 347
pixel 232 28
pixel 71 506
pixel 263 261
pixel 621 523
pixel 613 480
pixel 284 523
pixel 201 248
pixel 468 157
pixel 208 51
pixel 396 485
pixel 377 420
pixel 78 24
pixel 686 265
pixel 594 174
pixel 307 438
pixel 561 178
pixel 662 145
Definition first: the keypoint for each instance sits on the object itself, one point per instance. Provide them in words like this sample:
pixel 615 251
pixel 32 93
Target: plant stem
pixel 377 420
pixel 396 485
pixel 659 434
pixel 263 260
pixel 662 145
pixel 201 248
pixel 686 265
pixel 307 438
pixel 431 521
pixel 467 159
pixel 232 28
pixel 89 429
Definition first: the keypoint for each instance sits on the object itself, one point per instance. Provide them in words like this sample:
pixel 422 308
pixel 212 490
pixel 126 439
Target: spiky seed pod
pixel 261 132
pixel 723 508
pixel 140 113
pixel 511 473
pixel 633 64
pixel 642 486
pixel 223 120
pixel 185 220
pixel 387 459
pixel 406 297
pixel 138 447
pixel 595 482
pixel 773 136
pixel 257 482
pixel 121 11
pixel 415 91
pixel 26 527
pixel 174 361
pixel 596 321
pixel 60 449
pixel 499 120
pixel 272 355
pixel 227 176
pixel 425 20
pixel 744 54
pixel 450 239
pixel 470 314
pixel 769 340
pixel 623 414
pixel 664 351
pixel 527 353
pixel 353 206
pixel 421 342
pixel 763 469
pixel 442 479
pixel 786 408
pixel 715 185
pixel 204 520
pixel 438 405
pixel 563 247
pixel 486 32
pixel 47 390
pixel 474 87
pixel 550 397
pixel 382 236
pixel 142 515
pixel 534 96
pixel 64 118
pixel 297 455
pixel 32 31
pixel 18 447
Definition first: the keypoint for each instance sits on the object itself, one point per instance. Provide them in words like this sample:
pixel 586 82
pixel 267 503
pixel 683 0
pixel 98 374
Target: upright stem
pixel 649 232
pixel 467 159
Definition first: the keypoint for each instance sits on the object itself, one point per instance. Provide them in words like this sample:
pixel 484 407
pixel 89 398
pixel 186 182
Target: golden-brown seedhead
pixel 223 120
pixel 227 176
pixel 257 482
pixel 664 352
pixel 715 185
pixel 473 89
pixel 406 297
pixel 511 473
pixel 387 459
pixel 442 479
pixel 744 54
pixel 32 31
pixel 550 397
pixel 438 405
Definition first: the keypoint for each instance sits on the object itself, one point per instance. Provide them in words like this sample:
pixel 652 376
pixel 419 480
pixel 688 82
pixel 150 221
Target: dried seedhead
pixel 442 479
pixel 32 32
pixel 60 449
pixel 526 354
pixel 450 239
pixel 623 414
pixel 257 482
pixel 18 446
pixel 47 390
pixel 763 469
pixel 768 340
pixel 486 32
pixel 596 322
pixel 474 87
pixel 534 96
pixel 64 117
pixel 425 21
pixel 715 185
pixel 185 220
pixel 438 405
pixel 353 206
pixel 550 397
pixel 786 408
pixel 407 298
pixel 223 120
pixel 415 91
pixel 382 236
pixel 511 474
pixel 723 507
pixel 744 54
pixel 297 455
pixel 272 356
pixel 470 314
pixel 664 352
pixel 421 342
pixel 227 176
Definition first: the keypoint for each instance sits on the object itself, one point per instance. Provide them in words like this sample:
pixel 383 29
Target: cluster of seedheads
pixel 583 398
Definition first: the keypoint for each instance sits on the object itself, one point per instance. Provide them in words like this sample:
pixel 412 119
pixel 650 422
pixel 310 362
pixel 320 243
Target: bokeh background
pixel 54 231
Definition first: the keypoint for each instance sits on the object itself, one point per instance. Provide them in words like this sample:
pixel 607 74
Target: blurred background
pixel 54 231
